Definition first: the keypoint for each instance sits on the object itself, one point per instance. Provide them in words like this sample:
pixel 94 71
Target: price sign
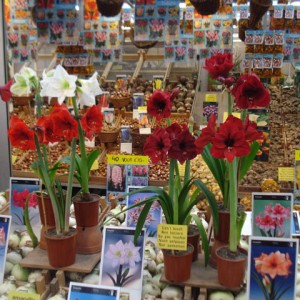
pixel 210 98
pixel 297 154
pixel 172 237
pixel 286 174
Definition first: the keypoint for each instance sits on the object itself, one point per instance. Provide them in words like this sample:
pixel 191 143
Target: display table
pixel 202 279
pixel 38 259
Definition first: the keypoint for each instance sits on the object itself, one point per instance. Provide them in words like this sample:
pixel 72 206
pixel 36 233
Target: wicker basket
pixel 257 9
pixel 206 7
pixel 119 102
pixel 138 139
pixel 22 100
pixel 108 136
pixel 141 45
pixel 109 8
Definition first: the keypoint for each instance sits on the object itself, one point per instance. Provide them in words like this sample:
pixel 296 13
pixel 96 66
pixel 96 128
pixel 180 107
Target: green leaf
pixel 205 243
pixel 246 161
pixel 141 221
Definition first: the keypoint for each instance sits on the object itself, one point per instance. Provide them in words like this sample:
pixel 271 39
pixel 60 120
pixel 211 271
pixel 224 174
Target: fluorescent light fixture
pixel 296 3
pixel 77 7
pixel 182 5
pixel 126 5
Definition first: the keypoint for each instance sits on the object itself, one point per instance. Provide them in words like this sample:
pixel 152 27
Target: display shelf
pixel 38 259
pixel 202 279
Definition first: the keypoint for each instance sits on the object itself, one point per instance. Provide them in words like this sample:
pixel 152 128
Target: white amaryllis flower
pixel 88 90
pixel 116 254
pixel 60 85
pixel 24 82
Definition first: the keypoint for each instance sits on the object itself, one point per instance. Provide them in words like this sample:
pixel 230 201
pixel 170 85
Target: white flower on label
pixel 116 254
pixel 60 85
pixel 88 90
pixel 132 253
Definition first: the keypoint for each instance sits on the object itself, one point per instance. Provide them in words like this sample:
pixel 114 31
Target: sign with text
pixel 210 98
pixel 172 237
pixel 297 154
pixel 127 159
pixel 14 295
pixel 285 174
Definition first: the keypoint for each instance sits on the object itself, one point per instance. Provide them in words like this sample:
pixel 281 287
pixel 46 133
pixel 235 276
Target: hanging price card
pixel 297 154
pixel 210 98
pixel 286 174
pixel 172 237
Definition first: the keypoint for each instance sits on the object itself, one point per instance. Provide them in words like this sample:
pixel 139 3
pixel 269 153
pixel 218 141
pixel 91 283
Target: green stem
pixel 233 205
pixel 226 201
pixel 229 103
pixel 84 174
pixel 28 224
pixel 171 189
pixel 244 115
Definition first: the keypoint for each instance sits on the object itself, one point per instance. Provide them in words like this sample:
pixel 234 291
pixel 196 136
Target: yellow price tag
pixel 127 159
pixel 181 169
pixel 286 174
pixel 14 295
pixel 297 154
pixel 225 115
pixel 95 165
pixel 13 158
pixel 142 109
pixel 172 237
pixel 210 98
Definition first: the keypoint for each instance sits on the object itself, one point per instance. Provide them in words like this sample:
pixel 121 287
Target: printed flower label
pixel 172 237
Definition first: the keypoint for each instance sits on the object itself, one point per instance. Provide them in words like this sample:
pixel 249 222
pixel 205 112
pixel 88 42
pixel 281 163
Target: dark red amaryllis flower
pixel 5 92
pixel 157 145
pixel 219 65
pixel 183 146
pixel 250 92
pixel 64 124
pixel 159 105
pixel 229 141
pixel 207 134
pixel 46 133
pixel 251 132
pixel 20 135
pixel 92 121
pixel 174 130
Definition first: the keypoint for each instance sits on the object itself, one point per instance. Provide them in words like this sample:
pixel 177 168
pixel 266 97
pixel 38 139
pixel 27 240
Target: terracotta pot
pixel 86 209
pixel 178 265
pixel 224 224
pixel 213 255
pixel 194 239
pixel 61 250
pixel 22 100
pixel 89 240
pixel 231 267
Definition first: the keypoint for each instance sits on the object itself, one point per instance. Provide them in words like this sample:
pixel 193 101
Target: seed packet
pixel 258 37
pixel 249 40
pixel 267 61
pixel 277 60
pixel 278 11
pixel 244 12
pixel 269 37
pixel 289 12
pixel 279 37
pixel 258 61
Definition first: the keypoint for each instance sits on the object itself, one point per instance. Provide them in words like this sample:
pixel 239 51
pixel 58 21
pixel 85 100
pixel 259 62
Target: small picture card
pixel 138 99
pixel 272 268
pixel 103 99
pixel 20 189
pixel 210 108
pixel 155 213
pixel 121 82
pixel 109 116
pixel 264 145
pixel 121 262
pixel 126 139
pixel 158 82
pixel 260 116
pixel 5 222
pixel 271 214
pixel 91 291
pixel 144 122
pixel 296 224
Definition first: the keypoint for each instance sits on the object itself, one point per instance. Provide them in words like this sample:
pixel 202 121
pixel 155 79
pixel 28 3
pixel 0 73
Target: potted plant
pixel 175 144
pixel 86 204
pixel 230 149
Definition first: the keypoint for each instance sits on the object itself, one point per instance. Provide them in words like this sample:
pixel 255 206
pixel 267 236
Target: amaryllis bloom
pixel 20 135
pixel 92 121
pixel 64 124
pixel 116 254
pixel 5 92
pixel 132 253
pixel 229 141
pixel 174 93
pixel 174 130
pixel 207 134
pixel 24 82
pixel 183 147
pixel 19 198
pixel 265 223
pixel 280 211
pixel 251 132
pixel 159 105
pixel 250 92
pixel 219 65
pixel 157 145
pixel 46 130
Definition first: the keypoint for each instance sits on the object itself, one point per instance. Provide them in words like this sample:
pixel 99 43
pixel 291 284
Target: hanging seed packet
pixel 277 60
pixel 258 37
pixel 289 12
pixel 158 82
pixel 278 11
pixel 269 37
pixel 244 12
pixel 180 53
pixel 258 61
pixel 267 61
pixel 226 38
pixel 287 54
pixel 249 39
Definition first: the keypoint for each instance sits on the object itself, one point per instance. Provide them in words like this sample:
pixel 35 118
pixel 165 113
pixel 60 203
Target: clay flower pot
pixel 194 239
pixel 178 264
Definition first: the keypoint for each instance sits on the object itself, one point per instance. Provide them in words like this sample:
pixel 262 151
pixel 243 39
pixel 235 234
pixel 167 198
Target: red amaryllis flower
pixel 20 135
pixel 92 121
pixel 157 145
pixel 64 124
pixel 219 65
pixel 251 133
pixel 159 105
pixel 250 92
pixel 229 141
pixel 174 93
pixel 207 134
pixel 5 92
pixel 174 130
pixel 46 130
pixel 183 146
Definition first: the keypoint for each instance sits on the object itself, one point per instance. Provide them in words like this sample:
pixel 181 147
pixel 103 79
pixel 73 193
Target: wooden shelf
pixel 38 259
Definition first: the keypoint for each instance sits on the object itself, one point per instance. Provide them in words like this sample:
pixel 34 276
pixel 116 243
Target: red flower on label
pixel 19 199
pixel 219 65
pixel 157 145
pixel 92 121
pixel 159 105
pixel 230 141
pixel 250 92
pixel 20 135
